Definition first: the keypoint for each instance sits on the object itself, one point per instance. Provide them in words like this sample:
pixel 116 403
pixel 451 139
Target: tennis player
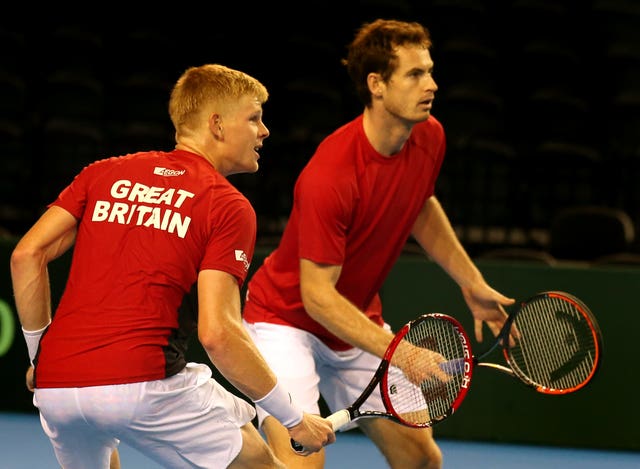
pixel 313 307
pixel 110 365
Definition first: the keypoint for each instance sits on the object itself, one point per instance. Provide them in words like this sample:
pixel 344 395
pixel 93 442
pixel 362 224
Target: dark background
pixel 540 100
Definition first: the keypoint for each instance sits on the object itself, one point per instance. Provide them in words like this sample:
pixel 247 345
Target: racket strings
pixel 556 349
pixel 433 399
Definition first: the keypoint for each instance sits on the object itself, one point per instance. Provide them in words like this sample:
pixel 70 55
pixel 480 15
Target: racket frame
pixel 343 417
pixel 466 370
pixel 502 340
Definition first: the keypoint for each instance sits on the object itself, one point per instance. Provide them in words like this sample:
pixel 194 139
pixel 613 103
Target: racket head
pixel 433 400
pixel 559 345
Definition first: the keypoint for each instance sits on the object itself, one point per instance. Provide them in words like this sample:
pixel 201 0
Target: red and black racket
pixel 415 396
pixel 551 342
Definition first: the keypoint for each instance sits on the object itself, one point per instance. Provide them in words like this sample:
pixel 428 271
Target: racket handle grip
pixel 453 367
pixel 339 419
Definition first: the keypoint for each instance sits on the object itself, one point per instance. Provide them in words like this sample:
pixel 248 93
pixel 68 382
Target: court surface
pixel 23 445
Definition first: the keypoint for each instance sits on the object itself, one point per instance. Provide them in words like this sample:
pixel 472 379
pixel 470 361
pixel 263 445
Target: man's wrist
pixel 279 404
pixel 32 338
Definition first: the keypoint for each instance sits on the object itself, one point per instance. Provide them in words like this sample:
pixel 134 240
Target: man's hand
pixel 486 305
pixel 419 364
pixel 29 379
pixel 313 433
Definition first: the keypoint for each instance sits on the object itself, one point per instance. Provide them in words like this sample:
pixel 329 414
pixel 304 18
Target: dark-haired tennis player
pixel 313 307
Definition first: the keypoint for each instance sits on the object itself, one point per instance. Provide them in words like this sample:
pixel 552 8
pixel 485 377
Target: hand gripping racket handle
pixel 338 420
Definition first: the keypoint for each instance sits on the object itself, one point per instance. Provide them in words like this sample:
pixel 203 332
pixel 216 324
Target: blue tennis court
pixel 24 446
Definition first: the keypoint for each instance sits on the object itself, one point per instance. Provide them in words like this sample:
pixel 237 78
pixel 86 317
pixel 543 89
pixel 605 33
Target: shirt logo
pixel 242 257
pixel 168 172
pixel 133 203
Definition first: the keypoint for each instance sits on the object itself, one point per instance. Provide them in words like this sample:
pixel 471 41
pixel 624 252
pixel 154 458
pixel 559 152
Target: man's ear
pixel 215 126
pixel 374 81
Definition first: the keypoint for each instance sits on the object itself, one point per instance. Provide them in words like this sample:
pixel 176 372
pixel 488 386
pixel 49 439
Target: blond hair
pixel 211 85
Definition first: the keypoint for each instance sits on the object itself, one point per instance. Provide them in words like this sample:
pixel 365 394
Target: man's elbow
pixel 212 341
pixel 315 303
pixel 24 254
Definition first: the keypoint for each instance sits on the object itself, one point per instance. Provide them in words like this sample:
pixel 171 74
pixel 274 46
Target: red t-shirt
pixel 148 223
pixel 352 207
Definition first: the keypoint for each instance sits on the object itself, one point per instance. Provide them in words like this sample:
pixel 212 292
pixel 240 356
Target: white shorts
pixel 309 369
pixel 186 420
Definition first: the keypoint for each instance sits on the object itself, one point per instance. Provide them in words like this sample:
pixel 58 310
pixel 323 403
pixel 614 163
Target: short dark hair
pixel 373 50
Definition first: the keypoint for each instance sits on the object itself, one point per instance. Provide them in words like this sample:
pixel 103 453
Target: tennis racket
pixel 417 397
pixel 551 342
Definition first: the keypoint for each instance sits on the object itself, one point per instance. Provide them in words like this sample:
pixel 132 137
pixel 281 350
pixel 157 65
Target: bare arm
pixel 335 312
pixel 51 236
pixel 224 338
pixel 234 353
pixel 434 233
